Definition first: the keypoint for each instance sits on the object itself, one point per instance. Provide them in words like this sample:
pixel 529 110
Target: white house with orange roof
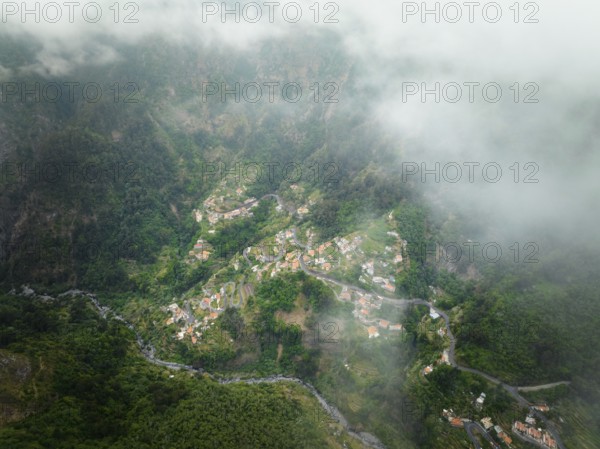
pixel 389 287
pixel 373 332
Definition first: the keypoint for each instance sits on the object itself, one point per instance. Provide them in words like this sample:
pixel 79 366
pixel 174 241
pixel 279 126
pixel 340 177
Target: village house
pixel 231 215
pixel 456 422
pixel 372 331
pixel 197 215
pixel 549 441
pixel 445 357
pixel 345 295
pixel 177 312
pixel 378 279
pixel 540 436
pixel 479 401
pixel 395 327
pixel 520 427
pixel 504 436
pixel 486 422
pixel 202 256
pixel 384 324
pixel 534 433
pixel 541 407
pixel 389 287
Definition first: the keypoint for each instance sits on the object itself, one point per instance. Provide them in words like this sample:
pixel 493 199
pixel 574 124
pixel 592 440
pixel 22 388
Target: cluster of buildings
pixel 444 359
pixel 369 275
pixel 190 326
pixel 322 257
pixel 526 431
pixel 503 435
pixel 454 420
pixel 213 216
pixel 486 422
pixel 290 262
pixel 185 319
pixel 302 210
pixel 347 247
pixel 403 243
pixel 275 257
pixel 529 432
pixel 365 306
pixel 201 250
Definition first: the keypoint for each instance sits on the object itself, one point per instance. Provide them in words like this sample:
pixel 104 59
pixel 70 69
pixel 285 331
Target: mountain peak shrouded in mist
pixel 453 83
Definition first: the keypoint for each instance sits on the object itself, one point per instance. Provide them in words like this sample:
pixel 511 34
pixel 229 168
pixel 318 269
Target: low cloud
pixel 392 51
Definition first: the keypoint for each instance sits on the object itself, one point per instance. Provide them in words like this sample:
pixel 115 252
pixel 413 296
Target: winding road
pixel 513 391
pixel 148 351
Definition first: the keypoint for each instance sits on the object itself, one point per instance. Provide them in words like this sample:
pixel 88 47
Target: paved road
pixel 543 387
pixel 403 302
pixel 399 302
pixel 471 427
pixel 550 427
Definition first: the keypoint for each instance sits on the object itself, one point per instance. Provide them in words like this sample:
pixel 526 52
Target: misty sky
pixel 559 133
